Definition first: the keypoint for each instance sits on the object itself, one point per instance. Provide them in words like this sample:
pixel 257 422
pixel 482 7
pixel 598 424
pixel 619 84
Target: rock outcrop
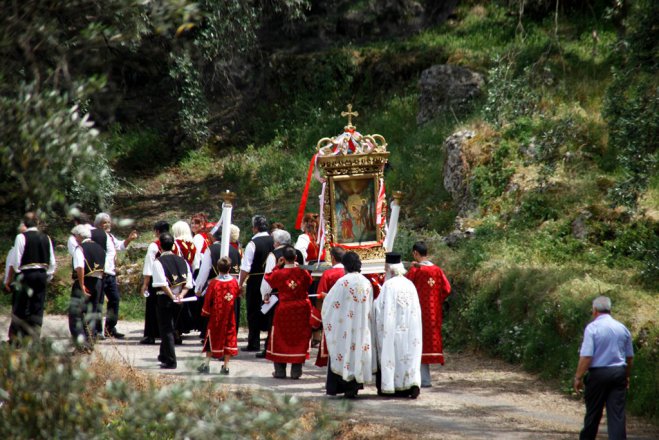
pixel 457 172
pixel 446 88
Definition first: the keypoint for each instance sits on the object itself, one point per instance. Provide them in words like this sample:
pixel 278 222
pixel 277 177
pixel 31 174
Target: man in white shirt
pixel 154 250
pixel 251 270
pixel 84 311
pixel 33 267
pixel 103 222
pixel 171 280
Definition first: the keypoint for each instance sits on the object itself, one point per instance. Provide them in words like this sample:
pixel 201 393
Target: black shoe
pixel 261 355
pixel 250 348
pixel 224 371
pixel 351 394
pixel 147 340
pixel 278 376
pixel 204 368
pixel 113 333
pixel 165 366
pixel 414 392
pixel 161 359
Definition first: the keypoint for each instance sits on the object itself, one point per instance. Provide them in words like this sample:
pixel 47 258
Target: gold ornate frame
pixel 346 168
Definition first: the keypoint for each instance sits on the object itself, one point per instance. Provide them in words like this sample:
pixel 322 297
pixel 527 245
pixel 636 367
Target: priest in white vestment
pixel 347 322
pixel 397 333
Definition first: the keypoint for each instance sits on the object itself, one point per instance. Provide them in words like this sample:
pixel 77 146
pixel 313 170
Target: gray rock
pixel 457 172
pixel 446 88
pixel 455 237
pixel 579 227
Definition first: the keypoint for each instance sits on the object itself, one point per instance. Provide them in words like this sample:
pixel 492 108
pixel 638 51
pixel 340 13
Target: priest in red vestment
pixel 433 288
pixel 288 342
pixel 327 281
pixel 221 340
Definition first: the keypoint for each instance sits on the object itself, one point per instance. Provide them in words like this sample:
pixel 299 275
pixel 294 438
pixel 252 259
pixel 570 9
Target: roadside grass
pixel 47 392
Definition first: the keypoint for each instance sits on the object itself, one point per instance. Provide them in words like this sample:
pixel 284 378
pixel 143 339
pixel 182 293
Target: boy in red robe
pixel 433 288
pixel 327 281
pixel 221 335
pixel 288 342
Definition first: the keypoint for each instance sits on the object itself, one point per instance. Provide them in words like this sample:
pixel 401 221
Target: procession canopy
pixel 353 199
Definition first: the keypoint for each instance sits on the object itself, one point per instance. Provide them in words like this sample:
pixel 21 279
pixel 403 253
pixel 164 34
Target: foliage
pixel 80 54
pixel 135 149
pixel 638 241
pixel 193 111
pixel 509 96
pixel 45 392
pixel 490 179
pixel 632 105
pixel 50 150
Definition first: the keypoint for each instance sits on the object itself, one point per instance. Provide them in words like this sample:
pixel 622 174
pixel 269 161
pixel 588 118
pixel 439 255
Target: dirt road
pixel 473 397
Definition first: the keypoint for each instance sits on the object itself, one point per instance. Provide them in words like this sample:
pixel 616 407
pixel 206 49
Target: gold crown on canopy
pixel 351 141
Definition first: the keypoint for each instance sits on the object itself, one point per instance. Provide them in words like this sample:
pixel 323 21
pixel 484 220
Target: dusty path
pixel 473 397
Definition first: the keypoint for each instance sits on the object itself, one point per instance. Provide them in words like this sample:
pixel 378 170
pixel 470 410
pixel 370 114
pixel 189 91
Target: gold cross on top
pixel 350 114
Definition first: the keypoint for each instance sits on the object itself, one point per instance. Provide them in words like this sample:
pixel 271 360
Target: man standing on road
pixel 433 288
pixel 33 267
pixel 171 279
pixel 110 288
pixel 84 309
pixel 253 265
pixel 151 331
pixel 397 332
pixel 347 323
pixel 606 354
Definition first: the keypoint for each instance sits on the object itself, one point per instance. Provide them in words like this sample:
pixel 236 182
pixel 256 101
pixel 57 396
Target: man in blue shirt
pixel 606 354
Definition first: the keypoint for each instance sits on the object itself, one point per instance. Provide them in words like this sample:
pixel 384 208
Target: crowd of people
pixel 388 333
pixel 189 286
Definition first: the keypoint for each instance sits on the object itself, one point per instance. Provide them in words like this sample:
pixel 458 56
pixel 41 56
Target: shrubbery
pixel 47 393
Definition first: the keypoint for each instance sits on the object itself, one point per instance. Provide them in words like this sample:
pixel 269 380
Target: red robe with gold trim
pixel 327 281
pixel 433 288
pixel 221 333
pixel 290 332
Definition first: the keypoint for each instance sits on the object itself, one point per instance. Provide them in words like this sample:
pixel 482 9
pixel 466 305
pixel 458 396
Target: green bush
pixel 490 179
pixel 49 152
pixel 136 149
pixel 632 105
pixel 47 393
pixel 642 397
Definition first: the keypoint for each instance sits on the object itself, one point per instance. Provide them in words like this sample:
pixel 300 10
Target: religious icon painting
pixel 354 209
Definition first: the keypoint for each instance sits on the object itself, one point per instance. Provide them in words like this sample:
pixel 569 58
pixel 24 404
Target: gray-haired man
pixel 101 234
pixel 606 354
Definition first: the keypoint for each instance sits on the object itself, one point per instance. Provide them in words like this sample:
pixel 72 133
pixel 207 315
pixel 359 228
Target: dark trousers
pixel 336 385
pixel 84 311
pixel 237 309
pixel 151 315
pixel 605 386
pixel 267 322
pixel 166 325
pixel 28 303
pixel 111 292
pixel 254 315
